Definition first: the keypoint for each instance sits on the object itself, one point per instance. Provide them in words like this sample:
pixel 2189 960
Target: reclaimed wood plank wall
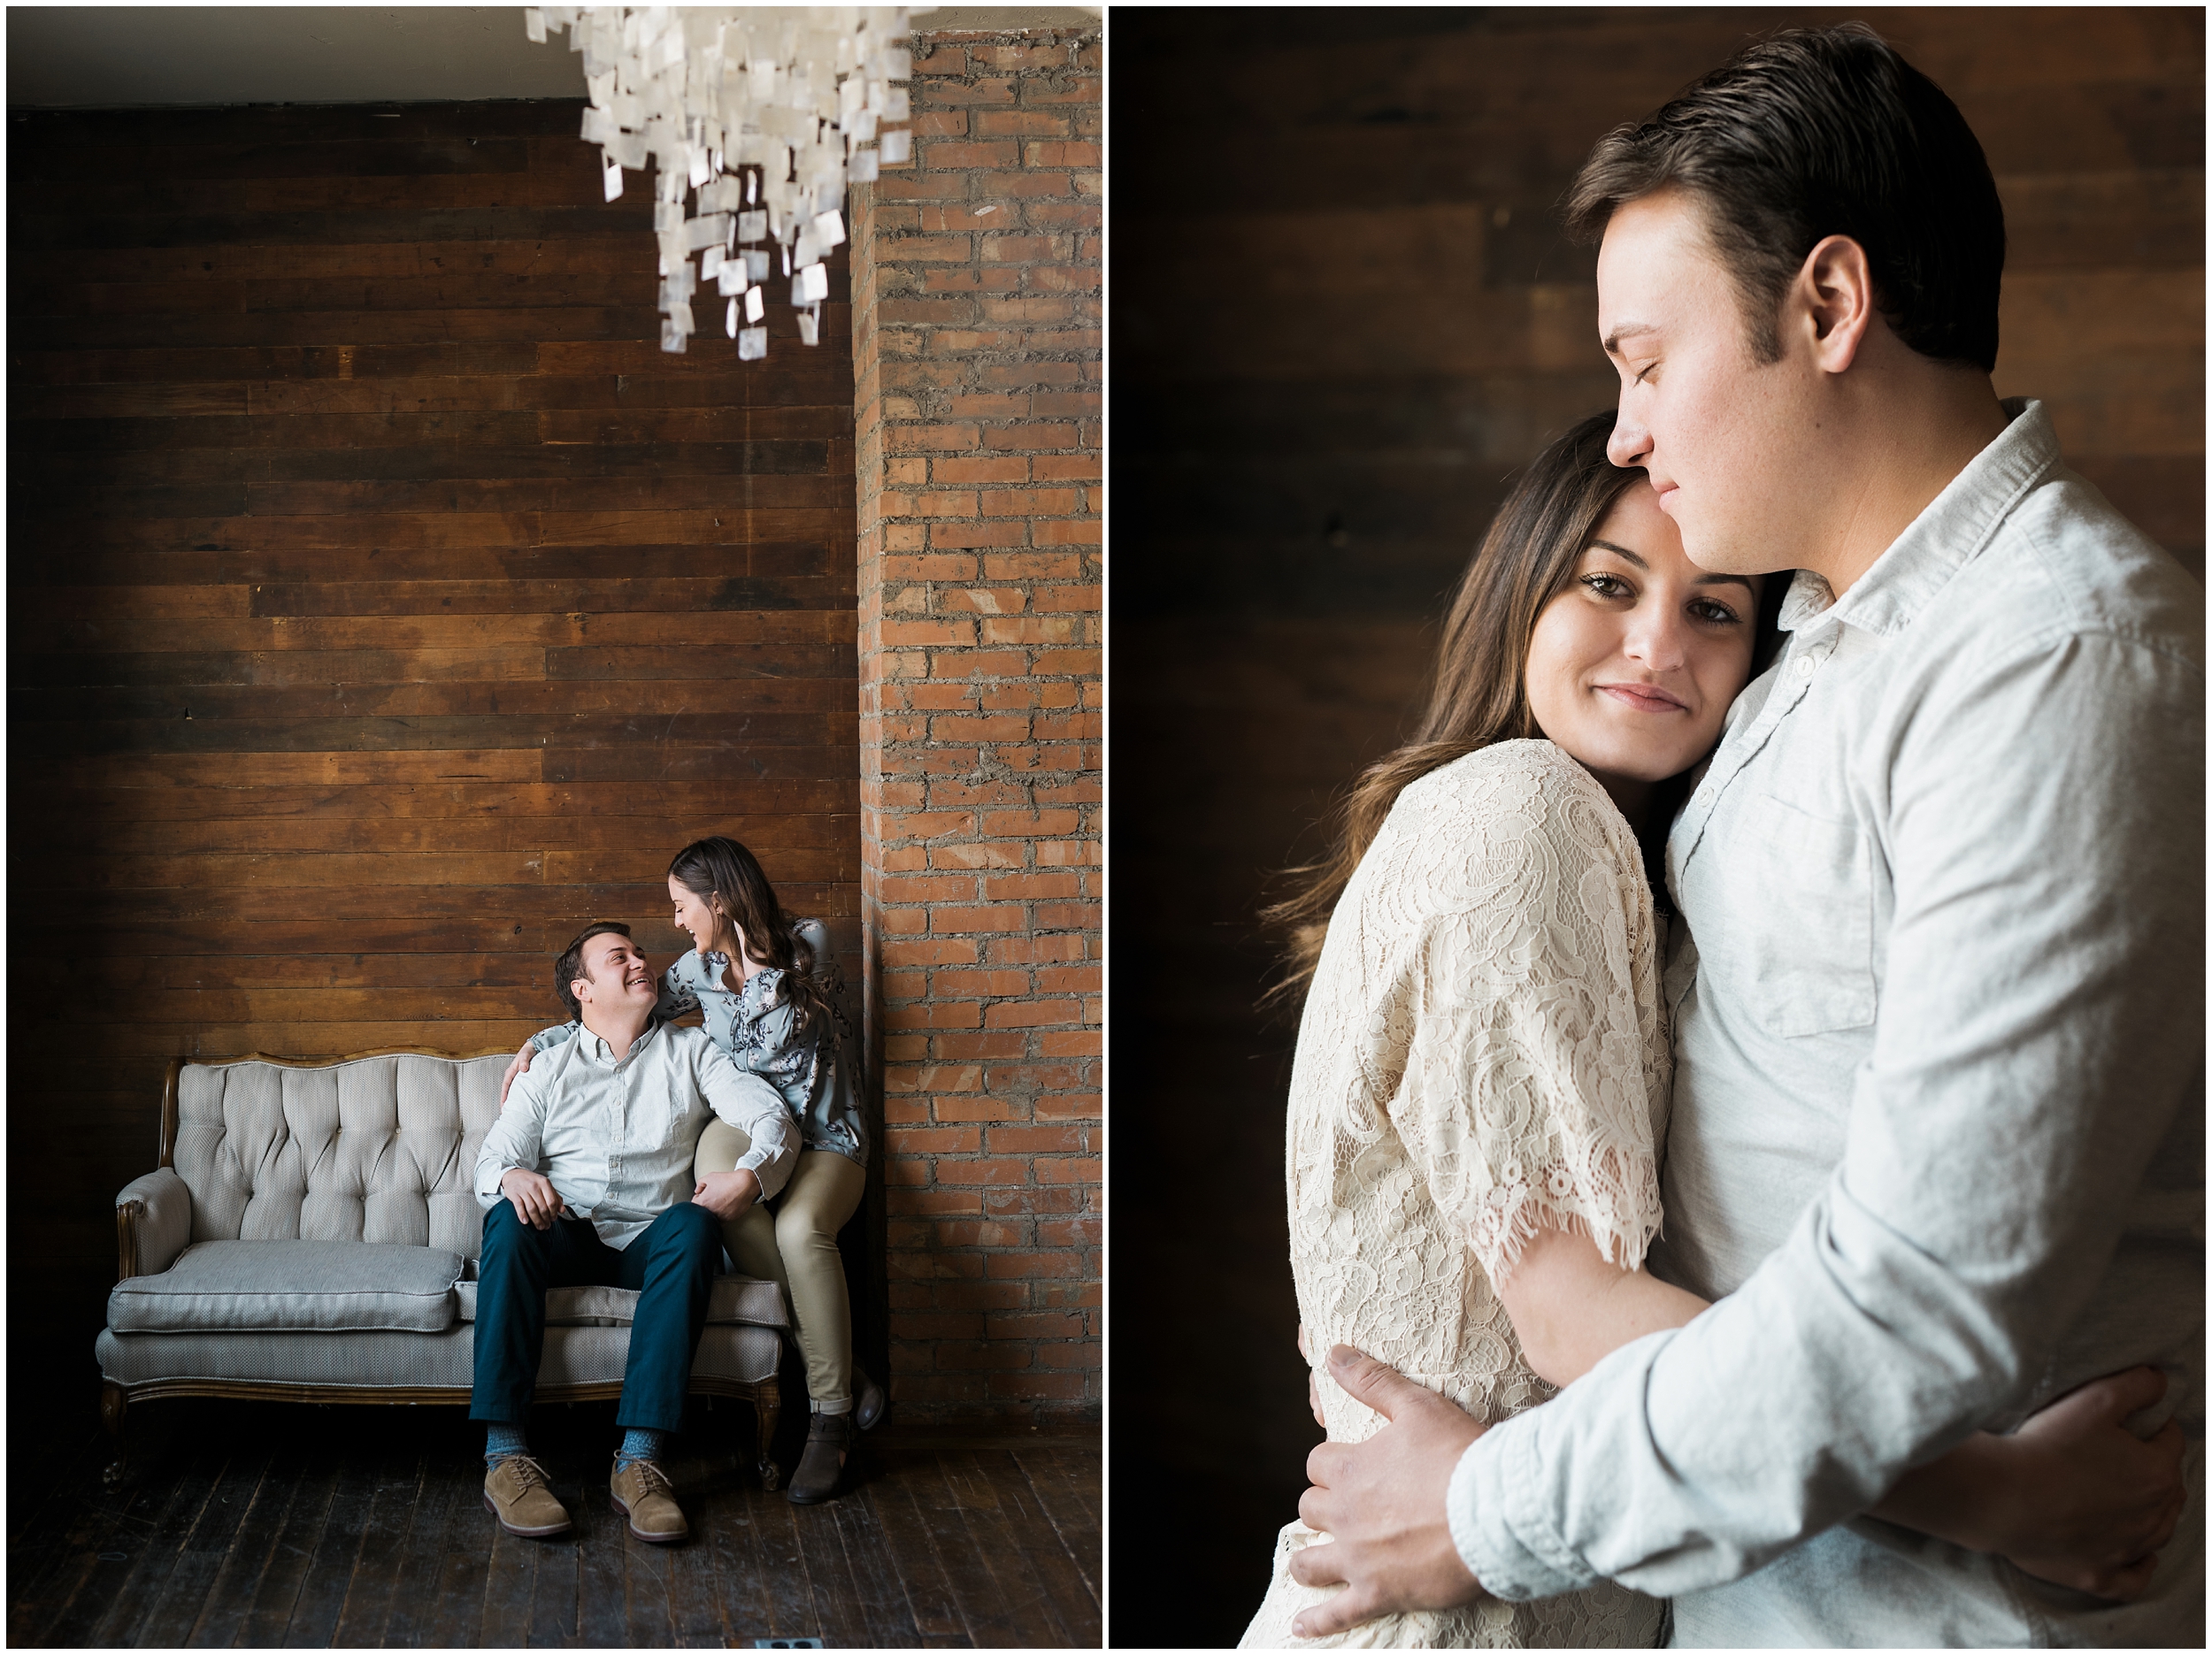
pixel 1343 316
pixel 383 605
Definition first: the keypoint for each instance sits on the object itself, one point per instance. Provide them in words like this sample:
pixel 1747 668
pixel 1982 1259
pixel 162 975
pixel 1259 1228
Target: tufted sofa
pixel 310 1235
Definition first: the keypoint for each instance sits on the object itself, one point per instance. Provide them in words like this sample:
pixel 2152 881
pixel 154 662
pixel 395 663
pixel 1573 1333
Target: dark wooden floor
pixel 239 1523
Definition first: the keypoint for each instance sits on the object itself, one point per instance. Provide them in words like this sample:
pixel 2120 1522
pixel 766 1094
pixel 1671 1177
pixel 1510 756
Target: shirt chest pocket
pixel 655 1121
pixel 1805 946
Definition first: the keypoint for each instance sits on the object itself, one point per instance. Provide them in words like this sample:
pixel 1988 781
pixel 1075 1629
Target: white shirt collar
pixel 1950 533
pixel 600 1050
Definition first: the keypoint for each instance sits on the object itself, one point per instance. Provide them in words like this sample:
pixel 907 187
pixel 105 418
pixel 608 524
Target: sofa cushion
pixel 366 1363
pixel 291 1287
pixel 735 1298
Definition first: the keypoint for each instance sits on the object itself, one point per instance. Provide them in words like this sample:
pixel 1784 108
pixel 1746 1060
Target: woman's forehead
pixel 1635 522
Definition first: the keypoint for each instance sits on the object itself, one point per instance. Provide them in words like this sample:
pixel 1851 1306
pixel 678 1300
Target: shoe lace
pixel 526 1472
pixel 651 1478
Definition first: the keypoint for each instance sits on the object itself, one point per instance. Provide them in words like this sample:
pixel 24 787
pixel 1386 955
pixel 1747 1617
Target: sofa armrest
pixel 153 1220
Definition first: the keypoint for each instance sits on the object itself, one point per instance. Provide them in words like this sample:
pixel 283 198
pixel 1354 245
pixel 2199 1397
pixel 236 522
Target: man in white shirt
pixel 586 1180
pixel 1936 1145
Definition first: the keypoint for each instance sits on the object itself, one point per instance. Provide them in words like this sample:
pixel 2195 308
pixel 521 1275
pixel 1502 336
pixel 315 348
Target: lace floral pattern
pixel 1483 1054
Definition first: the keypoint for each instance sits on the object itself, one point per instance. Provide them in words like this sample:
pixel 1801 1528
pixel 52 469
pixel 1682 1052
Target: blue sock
pixel 638 1442
pixel 500 1440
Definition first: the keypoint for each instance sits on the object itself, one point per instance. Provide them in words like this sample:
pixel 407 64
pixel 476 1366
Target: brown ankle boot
pixel 868 1401
pixel 827 1438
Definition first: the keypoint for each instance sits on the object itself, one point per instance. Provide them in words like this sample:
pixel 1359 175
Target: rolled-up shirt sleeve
pixel 754 1107
pixel 2040 1030
pixel 546 1040
pixel 514 1140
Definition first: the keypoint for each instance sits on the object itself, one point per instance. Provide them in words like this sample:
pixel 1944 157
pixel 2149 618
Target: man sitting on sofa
pixel 585 1179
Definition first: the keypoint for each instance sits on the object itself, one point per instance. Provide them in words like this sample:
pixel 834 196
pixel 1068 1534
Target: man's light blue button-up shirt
pixel 1938 1125
pixel 616 1136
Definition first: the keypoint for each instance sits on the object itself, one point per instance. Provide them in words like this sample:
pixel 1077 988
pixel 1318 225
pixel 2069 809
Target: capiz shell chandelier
pixel 760 114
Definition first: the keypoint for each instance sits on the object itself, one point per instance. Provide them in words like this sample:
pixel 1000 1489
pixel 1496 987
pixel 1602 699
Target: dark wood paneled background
pixel 383 604
pixel 1342 314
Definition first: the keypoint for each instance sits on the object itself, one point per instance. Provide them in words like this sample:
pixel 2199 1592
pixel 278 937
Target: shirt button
pixel 1806 666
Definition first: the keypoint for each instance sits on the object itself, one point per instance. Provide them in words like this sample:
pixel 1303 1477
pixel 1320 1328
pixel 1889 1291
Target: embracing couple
pixel 630 1153
pixel 1800 1063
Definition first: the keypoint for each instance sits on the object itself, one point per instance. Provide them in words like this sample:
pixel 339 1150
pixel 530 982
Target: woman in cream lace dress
pixel 1483 1067
pixel 1482 1051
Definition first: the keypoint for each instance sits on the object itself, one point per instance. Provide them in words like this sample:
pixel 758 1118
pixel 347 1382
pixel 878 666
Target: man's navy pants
pixel 671 1267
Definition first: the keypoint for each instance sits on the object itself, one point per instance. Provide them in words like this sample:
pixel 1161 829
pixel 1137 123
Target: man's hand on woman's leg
pixel 727 1194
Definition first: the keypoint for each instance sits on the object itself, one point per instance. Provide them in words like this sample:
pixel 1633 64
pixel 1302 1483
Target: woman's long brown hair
pixel 1481 691
pixel 726 876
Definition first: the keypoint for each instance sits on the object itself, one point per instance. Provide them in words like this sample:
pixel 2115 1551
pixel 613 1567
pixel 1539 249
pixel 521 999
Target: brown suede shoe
pixel 827 1438
pixel 640 1491
pixel 515 1492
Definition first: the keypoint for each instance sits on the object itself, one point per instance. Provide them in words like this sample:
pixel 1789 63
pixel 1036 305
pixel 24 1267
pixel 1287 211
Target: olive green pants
pixel 795 1247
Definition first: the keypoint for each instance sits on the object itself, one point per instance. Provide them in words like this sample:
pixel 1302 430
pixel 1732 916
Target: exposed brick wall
pixel 976 278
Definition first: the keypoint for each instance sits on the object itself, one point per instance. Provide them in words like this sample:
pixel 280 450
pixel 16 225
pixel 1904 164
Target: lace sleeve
pixel 1528 1098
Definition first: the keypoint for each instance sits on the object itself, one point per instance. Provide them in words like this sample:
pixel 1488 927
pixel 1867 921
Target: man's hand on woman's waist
pixel 1381 1502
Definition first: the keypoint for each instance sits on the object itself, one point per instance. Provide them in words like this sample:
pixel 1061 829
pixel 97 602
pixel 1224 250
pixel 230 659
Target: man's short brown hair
pixel 1818 132
pixel 570 966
